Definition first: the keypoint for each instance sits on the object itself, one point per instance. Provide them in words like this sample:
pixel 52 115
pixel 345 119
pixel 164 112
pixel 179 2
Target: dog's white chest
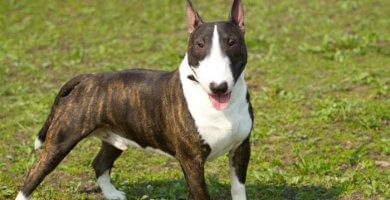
pixel 223 131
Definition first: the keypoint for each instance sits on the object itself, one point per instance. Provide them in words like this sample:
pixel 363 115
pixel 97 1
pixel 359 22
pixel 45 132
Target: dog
pixel 195 113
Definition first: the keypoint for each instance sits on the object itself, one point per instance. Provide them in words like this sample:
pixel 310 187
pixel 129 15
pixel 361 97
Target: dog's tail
pixel 64 91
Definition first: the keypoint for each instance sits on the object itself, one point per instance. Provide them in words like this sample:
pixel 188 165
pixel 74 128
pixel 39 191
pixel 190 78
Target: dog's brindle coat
pixel 149 109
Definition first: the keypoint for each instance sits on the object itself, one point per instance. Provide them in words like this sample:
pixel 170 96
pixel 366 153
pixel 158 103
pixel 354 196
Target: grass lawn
pixel 319 74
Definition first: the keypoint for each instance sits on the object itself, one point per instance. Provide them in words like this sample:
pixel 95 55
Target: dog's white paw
pixel 115 195
pixel 108 189
pixel 21 197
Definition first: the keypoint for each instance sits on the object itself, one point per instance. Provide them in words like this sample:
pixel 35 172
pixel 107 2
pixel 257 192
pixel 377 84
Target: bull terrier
pixel 195 113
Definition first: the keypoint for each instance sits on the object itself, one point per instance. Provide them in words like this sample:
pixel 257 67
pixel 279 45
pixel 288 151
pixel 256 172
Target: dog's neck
pixel 193 90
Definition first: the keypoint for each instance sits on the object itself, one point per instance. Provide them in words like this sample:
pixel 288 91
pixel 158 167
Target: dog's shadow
pixel 177 189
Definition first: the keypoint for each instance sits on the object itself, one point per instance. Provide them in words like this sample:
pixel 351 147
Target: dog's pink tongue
pixel 220 102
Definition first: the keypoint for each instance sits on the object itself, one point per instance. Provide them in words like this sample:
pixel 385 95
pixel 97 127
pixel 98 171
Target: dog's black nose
pixel 219 88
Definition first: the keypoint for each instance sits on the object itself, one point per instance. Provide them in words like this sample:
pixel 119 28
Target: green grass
pixel 319 74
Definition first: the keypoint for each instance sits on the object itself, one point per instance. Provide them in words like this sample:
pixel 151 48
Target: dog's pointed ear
pixel 193 18
pixel 237 15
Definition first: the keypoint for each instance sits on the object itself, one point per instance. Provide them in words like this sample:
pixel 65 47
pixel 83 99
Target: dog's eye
pixel 200 44
pixel 231 42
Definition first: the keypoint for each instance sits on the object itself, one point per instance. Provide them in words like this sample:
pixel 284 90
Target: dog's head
pixel 216 52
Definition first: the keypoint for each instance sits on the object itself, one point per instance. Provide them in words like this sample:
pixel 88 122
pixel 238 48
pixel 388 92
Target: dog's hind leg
pixel 61 138
pixel 102 164
pixel 65 91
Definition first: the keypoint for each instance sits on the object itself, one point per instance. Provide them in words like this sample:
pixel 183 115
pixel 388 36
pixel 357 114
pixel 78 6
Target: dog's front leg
pixel 193 169
pixel 239 159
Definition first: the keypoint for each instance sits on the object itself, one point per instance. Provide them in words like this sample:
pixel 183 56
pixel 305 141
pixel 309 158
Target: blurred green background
pixel 318 71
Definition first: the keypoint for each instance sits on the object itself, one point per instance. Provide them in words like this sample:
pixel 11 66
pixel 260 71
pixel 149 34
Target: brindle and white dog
pixel 195 113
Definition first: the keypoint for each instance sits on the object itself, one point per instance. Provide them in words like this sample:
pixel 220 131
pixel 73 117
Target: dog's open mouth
pixel 220 102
